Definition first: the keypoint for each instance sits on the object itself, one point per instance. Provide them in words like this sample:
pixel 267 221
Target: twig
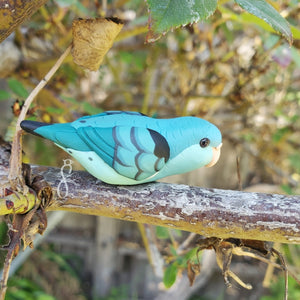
pixel 247 286
pixel 3 283
pixel 270 270
pixel 285 269
pixel 16 150
pixel 19 223
pixel 54 219
pixel 154 256
pixel 186 243
pixel 238 251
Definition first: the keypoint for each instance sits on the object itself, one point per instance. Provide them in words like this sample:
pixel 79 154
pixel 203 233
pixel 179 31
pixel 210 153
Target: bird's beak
pixel 216 156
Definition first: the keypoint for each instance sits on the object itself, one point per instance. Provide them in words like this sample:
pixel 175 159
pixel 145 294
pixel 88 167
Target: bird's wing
pixel 133 152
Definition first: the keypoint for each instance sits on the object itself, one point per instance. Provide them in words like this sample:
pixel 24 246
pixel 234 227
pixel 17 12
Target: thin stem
pixel 40 86
pixel 3 283
pixel 16 149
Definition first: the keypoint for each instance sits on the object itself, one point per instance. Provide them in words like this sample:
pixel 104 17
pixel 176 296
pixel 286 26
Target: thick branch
pixel 209 212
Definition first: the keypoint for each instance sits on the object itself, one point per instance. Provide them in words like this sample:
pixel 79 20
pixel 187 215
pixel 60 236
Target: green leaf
pixel 295 32
pixel 192 255
pixel 295 161
pixel 23 283
pixel 287 189
pixel 269 14
pixel 170 275
pixel 137 59
pixel 296 56
pixel 16 294
pixel 173 250
pixel 60 261
pixel 177 232
pixel 17 87
pixel 279 134
pixel 3 233
pixel 4 95
pixel 167 14
pixel 162 232
pixel 54 110
pixel 90 109
pixel 69 99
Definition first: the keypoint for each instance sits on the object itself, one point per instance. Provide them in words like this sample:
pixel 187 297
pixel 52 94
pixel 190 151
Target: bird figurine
pixel 128 148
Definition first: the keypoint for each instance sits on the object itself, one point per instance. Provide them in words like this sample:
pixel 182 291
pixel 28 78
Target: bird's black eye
pixel 204 142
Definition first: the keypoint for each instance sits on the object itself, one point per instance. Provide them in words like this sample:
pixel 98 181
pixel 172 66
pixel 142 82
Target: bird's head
pixel 210 144
pixel 198 144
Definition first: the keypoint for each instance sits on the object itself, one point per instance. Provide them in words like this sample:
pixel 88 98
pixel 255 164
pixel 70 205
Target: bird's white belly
pixel 100 169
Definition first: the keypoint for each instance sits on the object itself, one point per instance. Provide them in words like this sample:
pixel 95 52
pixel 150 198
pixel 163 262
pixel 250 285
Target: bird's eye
pixel 204 142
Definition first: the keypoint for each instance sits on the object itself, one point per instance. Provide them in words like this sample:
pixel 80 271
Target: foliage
pixel 46 275
pixel 26 289
pixel 17 88
pixel 231 68
pixel 3 240
pixel 167 14
pixel 178 263
pixel 263 10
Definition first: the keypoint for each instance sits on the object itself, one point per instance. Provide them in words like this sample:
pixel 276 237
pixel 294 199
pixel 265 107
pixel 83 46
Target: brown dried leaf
pixel 259 246
pixel 193 270
pixel 224 251
pixel 92 38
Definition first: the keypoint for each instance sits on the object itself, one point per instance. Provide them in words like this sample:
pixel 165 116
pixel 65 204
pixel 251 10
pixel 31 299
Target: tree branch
pixel 209 212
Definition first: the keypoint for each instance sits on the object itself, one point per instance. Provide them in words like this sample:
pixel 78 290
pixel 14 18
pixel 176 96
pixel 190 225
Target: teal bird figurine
pixel 127 148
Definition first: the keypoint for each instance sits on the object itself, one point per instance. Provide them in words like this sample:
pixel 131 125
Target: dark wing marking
pixel 162 149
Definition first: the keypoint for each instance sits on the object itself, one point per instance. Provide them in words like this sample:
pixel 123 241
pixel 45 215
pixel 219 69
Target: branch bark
pixel 209 212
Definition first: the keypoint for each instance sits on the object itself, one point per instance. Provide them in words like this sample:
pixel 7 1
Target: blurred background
pixel 229 70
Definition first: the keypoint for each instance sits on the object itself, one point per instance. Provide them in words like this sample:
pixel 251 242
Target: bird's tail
pixel 51 132
pixel 64 135
pixel 31 126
